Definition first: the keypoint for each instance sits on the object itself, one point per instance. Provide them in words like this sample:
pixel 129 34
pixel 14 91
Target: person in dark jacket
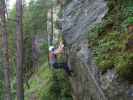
pixel 52 57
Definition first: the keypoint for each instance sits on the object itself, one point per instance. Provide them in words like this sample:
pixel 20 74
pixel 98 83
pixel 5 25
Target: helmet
pixel 51 48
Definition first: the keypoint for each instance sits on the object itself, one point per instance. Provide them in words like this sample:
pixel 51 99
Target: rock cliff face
pixel 87 82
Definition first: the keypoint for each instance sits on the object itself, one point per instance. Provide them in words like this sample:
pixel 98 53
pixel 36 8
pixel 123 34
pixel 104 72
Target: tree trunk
pixel 7 87
pixel 19 45
pixel 52 27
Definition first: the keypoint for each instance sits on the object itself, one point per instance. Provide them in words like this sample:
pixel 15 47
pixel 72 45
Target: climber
pixel 52 57
pixel 61 58
pixel 57 58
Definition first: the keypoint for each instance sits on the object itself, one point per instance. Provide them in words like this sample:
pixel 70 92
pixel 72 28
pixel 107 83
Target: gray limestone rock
pixel 87 82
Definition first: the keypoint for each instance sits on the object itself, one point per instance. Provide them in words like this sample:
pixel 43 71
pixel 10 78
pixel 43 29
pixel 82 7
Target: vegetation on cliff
pixel 112 40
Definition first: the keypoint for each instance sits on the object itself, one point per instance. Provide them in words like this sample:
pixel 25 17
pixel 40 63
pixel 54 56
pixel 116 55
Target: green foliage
pixel 104 65
pixel 124 65
pixel 110 52
pixel 1 89
pixel 34 23
pixel 45 52
pixel 119 10
pixel 104 61
pixel 103 51
pixel 109 39
pixel 94 34
pixel 1 77
pixel 58 87
pixel 50 84
pixel 126 22
pixel 106 49
pixel 35 17
pixel 130 20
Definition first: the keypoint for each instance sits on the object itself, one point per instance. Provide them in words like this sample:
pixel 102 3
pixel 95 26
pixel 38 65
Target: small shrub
pixel 95 33
pixel 124 65
pixel 58 87
pixel 104 51
pixel 105 65
pixel 128 21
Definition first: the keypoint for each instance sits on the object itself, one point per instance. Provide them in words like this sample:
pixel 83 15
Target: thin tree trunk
pixel 52 26
pixel 7 87
pixel 19 58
